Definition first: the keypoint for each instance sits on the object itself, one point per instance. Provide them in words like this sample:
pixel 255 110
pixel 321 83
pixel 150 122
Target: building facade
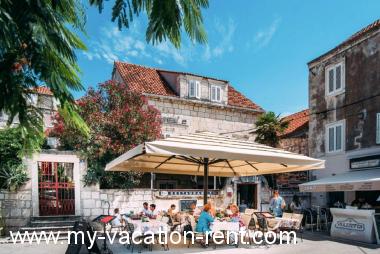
pixel 344 101
pixel 187 102
pixel 295 139
pixel 191 103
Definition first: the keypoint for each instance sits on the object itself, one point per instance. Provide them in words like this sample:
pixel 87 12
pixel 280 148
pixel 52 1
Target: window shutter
pixel 338 77
pixel 338 137
pixel 331 139
pixel 198 89
pixel 212 93
pixel 331 80
pixel 191 88
pixel 378 128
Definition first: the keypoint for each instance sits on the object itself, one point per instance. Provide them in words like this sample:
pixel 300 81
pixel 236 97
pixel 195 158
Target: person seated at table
pixel 242 206
pixel 228 210
pixel 277 204
pixel 145 210
pixel 118 221
pixel 204 220
pixel 152 213
pixel 296 205
pixel 212 208
pixel 194 210
pixel 235 215
pixel 171 210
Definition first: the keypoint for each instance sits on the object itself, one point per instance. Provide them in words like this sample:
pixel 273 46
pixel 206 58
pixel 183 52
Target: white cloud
pixel 127 45
pixel 263 37
pixel 224 35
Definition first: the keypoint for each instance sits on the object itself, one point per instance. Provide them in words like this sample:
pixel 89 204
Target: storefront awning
pixel 363 180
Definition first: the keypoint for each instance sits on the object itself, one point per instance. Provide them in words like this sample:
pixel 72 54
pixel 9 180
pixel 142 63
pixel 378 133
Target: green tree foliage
pixel 39 39
pixel 165 18
pixel 268 128
pixel 12 171
pixel 37 46
pixel 119 120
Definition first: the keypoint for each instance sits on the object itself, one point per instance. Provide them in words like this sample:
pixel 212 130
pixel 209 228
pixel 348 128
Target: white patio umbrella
pixel 210 154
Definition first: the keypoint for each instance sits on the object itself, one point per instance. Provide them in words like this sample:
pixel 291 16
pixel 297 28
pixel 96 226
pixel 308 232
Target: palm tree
pixel 268 128
pixel 39 40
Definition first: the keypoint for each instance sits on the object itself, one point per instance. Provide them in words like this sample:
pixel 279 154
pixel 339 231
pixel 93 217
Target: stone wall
pixel 202 116
pixel 95 201
pixel 295 145
pixel 16 208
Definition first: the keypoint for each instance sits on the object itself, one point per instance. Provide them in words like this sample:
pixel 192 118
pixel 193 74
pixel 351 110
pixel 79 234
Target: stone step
pixel 51 223
pixel 56 218
pixel 47 229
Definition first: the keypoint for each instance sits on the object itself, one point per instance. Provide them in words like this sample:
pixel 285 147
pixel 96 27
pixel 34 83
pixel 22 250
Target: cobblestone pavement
pixel 311 244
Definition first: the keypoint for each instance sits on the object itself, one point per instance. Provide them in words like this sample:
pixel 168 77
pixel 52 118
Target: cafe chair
pixel 249 211
pixel 310 219
pixel 264 228
pixel 287 215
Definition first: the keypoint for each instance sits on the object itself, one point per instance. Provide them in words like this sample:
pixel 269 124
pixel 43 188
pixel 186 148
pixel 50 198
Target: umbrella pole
pixel 205 180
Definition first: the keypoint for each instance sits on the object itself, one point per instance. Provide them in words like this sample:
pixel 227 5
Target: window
pixel 378 128
pixel 194 89
pixel 216 94
pixel 335 134
pixel 335 79
pixel 165 184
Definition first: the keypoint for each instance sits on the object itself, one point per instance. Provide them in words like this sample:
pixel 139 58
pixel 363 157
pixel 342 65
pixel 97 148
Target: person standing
pixel 277 204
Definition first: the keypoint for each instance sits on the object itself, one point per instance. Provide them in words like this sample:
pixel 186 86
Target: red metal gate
pixel 56 188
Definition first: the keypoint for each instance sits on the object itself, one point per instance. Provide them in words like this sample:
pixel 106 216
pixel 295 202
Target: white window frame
pixel 197 89
pixel 342 79
pixel 216 88
pixel 334 125
pixel 378 128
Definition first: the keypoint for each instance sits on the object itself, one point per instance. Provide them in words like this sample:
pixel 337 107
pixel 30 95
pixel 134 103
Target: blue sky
pixel 261 47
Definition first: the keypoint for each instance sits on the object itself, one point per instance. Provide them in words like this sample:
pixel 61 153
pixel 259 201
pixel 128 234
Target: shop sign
pixel 350 224
pixel 365 162
pixel 187 193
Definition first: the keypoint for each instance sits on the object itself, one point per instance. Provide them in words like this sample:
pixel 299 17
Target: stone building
pixel 344 101
pixel 190 103
pixel 295 139
pixel 187 102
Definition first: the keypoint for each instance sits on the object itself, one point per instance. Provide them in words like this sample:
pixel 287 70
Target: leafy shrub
pixel 12 171
pixel 13 176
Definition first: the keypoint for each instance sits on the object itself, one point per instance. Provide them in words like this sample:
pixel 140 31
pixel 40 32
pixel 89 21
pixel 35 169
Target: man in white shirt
pixel 152 211
pixel 145 211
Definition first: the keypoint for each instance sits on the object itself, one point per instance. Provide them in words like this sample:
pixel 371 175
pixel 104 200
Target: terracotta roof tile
pixel 237 99
pixel 353 38
pixel 296 121
pixel 42 90
pixel 143 79
pixel 149 80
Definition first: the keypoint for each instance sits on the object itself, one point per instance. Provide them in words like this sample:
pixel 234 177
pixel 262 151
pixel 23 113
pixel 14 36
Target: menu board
pixel 376 218
pixel 184 204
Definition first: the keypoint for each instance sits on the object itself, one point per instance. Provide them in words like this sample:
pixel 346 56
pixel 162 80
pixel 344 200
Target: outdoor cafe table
pixel 152 225
pixel 282 223
pixel 225 226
